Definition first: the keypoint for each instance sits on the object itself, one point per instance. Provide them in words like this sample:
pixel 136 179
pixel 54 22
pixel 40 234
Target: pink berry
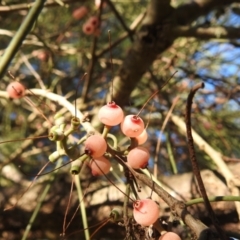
pixel 43 56
pixel 169 236
pixel 100 166
pixel 15 90
pixel 79 13
pixel 111 114
pixel 138 157
pixel 142 138
pixel 88 28
pixel 132 126
pixel 145 212
pixel 94 21
pixel 95 146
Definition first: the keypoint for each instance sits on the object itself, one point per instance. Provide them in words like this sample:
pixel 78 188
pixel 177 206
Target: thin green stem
pixel 214 199
pixel 106 130
pixel 114 139
pixel 170 154
pixel 21 34
pixel 82 207
pixel 40 201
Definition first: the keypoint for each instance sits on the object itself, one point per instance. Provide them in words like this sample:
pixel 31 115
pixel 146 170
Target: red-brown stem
pixel 106 221
pixel 112 182
pixel 28 187
pixel 68 204
pixel 65 164
pixel 85 192
pixel 103 221
pixel 29 101
pixel 194 162
pixel 38 97
pixel 154 94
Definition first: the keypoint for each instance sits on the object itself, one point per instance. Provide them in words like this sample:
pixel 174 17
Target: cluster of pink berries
pixel 91 26
pixel 131 125
pixel 146 211
pixel 110 115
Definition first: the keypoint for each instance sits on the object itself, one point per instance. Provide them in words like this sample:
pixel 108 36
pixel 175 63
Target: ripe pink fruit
pixel 111 114
pixel 88 28
pixel 79 13
pixel 100 166
pixel 138 157
pixel 145 212
pixel 91 25
pixel 15 90
pixel 43 56
pixel 94 21
pixel 95 146
pixel 132 126
pixel 169 236
pixel 142 138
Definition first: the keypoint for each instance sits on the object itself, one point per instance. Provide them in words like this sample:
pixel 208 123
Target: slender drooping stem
pixel 194 162
pixel 214 199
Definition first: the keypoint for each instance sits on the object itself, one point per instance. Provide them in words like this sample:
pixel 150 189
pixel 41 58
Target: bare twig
pixel 232 181
pixel 93 60
pixel 193 158
pixel 133 27
pixel 119 17
pixel 161 133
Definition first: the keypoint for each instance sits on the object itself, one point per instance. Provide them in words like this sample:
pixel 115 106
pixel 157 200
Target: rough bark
pixel 154 37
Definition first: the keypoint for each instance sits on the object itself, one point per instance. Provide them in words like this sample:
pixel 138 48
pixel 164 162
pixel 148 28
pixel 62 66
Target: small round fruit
pixel 169 236
pixel 111 114
pixel 132 126
pixel 94 21
pixel 88 28
pixel 95 146
pixel 79 13
pixel 100 166
pixel 43 56
pixel 142 138
pixel 145 212
pixel 15 90
pixel 138 157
